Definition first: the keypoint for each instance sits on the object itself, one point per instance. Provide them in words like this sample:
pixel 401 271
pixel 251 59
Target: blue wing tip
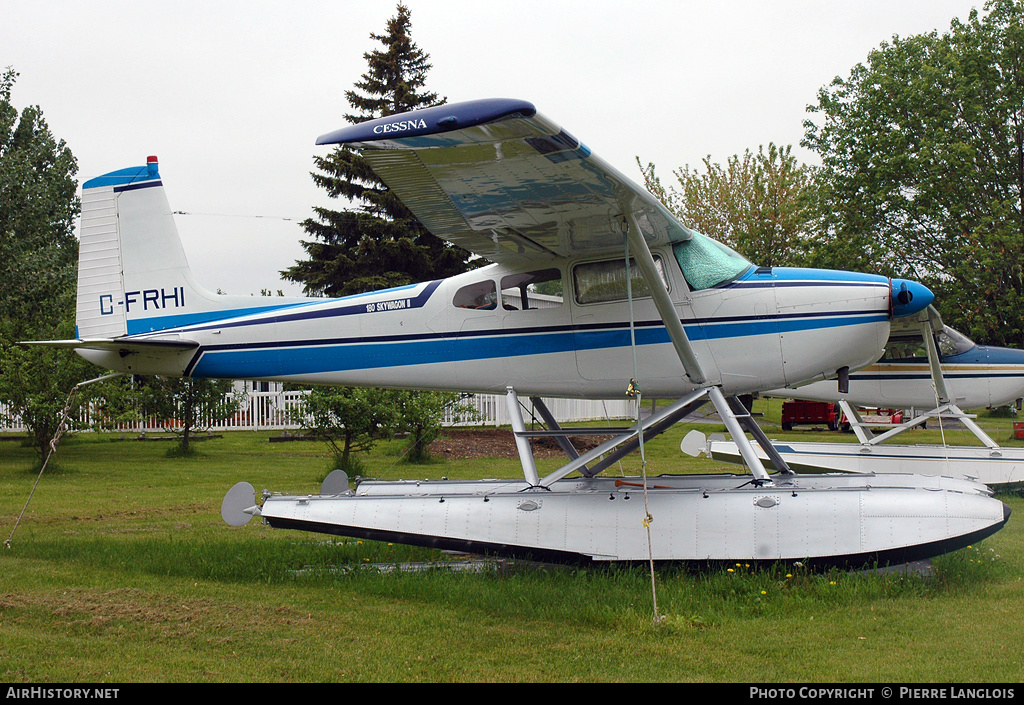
pixel 428 121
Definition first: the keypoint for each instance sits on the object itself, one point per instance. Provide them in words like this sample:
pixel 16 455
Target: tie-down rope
pixel 62 428
pixel 633 390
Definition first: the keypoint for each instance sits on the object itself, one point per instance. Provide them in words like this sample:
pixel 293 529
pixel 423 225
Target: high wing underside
pixel 498 179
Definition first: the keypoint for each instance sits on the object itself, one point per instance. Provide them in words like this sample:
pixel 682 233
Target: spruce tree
pixel 380 243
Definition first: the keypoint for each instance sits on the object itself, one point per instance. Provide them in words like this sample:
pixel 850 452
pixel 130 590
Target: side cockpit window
pixel 910 347
pixel 906 348
pixel 532 290
pixel 481 296
pixel 597 282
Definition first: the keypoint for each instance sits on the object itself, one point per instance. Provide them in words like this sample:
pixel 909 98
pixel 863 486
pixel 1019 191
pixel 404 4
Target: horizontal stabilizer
pixel 114 344
pixel 152 356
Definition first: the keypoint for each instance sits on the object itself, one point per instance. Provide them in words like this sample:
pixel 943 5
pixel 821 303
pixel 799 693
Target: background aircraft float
pixel 636 296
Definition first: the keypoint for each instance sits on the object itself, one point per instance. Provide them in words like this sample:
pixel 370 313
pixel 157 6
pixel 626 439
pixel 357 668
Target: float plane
pixel 927 367
pixel 975 376
pixel 594 288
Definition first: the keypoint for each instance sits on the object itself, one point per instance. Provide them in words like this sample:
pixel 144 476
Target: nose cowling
pixel 907 297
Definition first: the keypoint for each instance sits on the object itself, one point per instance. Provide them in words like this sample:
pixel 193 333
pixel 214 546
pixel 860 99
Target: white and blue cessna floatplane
pixel 593 284
pixel 927 367
pixel 907 377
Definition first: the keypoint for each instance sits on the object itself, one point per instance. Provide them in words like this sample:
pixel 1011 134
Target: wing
pixel 498 179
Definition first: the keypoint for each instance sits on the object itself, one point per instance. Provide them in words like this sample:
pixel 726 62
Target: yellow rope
pixel 633 390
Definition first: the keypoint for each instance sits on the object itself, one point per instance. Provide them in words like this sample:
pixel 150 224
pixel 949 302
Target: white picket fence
pixel 263 411
pixel 492 410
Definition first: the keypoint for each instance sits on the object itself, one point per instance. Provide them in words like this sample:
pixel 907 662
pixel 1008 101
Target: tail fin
pixel 132 273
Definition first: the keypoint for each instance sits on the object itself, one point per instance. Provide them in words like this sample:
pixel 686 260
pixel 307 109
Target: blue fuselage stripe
pixel 270 359
pixel 189 320
pixel 283 313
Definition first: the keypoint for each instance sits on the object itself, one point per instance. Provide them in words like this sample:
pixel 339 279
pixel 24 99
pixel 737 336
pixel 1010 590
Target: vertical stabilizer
pixel 132 273
pixel 133 276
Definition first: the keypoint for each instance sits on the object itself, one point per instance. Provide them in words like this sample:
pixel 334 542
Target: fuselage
pixel 564 330
pixel 975 376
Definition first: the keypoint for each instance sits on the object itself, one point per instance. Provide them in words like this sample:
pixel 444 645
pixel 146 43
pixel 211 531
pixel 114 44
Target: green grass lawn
pixel 122 571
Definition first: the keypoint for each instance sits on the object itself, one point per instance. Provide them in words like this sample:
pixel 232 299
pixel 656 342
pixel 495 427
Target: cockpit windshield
pixel 910 347
pixel 953 342
pixel 707 263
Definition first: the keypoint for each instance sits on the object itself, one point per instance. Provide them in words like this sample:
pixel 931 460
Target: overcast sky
pixel 231 96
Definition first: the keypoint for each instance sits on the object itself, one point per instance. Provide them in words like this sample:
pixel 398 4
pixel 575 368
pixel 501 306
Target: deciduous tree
pixel 923 171
pixel 350 420
pixel 38 208
pixel 422 415
pixel 38 265
pixel 755 203
pixel 187 406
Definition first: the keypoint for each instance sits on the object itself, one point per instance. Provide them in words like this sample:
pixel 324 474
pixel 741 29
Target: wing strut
pixel 666 309
pixel 549 420
pixel 931 322
pixel 729 410
pixel 934 361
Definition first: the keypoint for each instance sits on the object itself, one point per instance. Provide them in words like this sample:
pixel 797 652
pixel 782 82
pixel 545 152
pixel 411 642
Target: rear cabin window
pixel 482 296
pixel 532 290
pixel 595 282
